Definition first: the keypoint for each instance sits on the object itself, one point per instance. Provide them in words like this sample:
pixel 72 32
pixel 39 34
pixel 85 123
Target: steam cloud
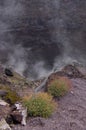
pixel 38 36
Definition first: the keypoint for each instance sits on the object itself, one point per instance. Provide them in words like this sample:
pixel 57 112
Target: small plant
pixel 11 96
pixel 59 87
pixel 40 104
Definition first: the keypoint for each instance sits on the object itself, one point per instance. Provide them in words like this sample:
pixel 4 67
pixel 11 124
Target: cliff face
pixel 41 30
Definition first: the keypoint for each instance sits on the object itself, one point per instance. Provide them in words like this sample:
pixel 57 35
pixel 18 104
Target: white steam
pixel 12 8
pixel 64 25
pixel 17 59
pixel 40 69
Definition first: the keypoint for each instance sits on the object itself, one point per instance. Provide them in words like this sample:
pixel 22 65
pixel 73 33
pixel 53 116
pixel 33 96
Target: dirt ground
pixel 70 115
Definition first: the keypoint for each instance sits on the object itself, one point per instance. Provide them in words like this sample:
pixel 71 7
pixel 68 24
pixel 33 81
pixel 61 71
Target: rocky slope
pixel 70 114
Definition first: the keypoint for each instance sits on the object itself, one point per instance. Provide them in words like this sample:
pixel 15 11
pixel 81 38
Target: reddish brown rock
pixel 16 117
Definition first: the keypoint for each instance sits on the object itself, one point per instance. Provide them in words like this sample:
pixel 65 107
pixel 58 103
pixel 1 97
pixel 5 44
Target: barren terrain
pixel 70 115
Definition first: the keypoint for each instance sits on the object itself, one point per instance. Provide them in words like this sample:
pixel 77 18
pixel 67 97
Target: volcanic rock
pixel 4 125
pixel 19 114
pixel 3 93
pixel 4 109
pixel 16 117
pixel 70 71
pixel 8 72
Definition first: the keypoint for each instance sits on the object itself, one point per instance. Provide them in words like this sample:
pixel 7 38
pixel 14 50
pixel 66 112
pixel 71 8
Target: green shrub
pixel 40 104
pixel 11 96
pixel 58 87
